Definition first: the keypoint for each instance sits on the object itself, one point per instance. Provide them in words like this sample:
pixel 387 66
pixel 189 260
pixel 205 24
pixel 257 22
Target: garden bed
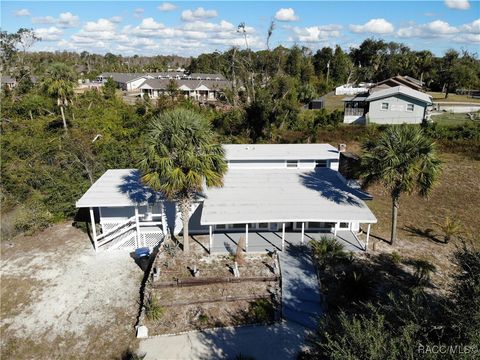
pixel 177 301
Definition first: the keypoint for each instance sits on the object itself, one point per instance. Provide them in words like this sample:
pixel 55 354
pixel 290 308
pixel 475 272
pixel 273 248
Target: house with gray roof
pixel 387 105
pixel 272 195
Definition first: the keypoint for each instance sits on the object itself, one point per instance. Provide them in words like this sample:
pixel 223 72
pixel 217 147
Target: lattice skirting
pixel 151 239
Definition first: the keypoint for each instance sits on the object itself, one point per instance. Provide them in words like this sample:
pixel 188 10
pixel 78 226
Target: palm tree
pixel 404 160
pixel 181 156
pixel 449 227
pixel 58 82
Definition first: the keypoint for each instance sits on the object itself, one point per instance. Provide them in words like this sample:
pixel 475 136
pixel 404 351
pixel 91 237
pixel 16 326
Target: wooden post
pixel 335 229
pixel 283 236
pixel 246 237
pixel 210 231
pixel 303 233
pixel 94 230
pixel 368 236
pixel 137 225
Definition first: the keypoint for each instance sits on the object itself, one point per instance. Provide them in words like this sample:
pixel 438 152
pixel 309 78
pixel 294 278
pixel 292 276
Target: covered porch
pixel 222 242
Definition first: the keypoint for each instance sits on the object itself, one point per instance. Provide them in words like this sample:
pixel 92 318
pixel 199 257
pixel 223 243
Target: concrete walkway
pixel 275 342
pixel 300 291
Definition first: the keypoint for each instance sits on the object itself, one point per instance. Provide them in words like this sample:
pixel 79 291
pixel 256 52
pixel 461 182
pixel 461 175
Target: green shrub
pixel 153 310
pixel 395 257
pixel 33 216
pixel 327 251
pixel 261 310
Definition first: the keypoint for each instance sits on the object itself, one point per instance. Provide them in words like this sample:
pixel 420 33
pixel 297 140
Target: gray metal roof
pixel 116 188
pixel 280 151
pixel 403 90
pixel 284 196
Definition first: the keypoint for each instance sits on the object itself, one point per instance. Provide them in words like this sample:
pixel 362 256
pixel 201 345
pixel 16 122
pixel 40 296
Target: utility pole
pixel 328 70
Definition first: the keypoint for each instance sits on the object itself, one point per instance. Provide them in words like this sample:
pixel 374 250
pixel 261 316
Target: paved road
pixel 282 341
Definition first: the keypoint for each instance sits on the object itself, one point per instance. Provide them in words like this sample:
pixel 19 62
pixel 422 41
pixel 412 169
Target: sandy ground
pixel 59 297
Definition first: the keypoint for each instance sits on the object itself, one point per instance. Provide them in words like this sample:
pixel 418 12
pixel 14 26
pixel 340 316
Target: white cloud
pixel 99 26
pixel 166 6
pixel 374 26
pixel 286 14
pixel 68 20
pixel 473 27
pixel 22 12
pixel 150 24
pixel 138 13
pixel 43 20
pixel 198 14
pixel 320 33
pixel 65 20
pixel 49 34
pixel 116 19
pixel 457 4
pixel 437 28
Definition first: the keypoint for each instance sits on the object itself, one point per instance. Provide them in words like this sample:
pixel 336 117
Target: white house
pixel 125 81
pixel 280 191
pixel 351 89
pixel 203 90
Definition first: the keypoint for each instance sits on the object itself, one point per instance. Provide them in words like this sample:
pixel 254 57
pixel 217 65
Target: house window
pixel 410 107
pixel 321 163
pixel 263 226
pixel 384 106
pixel 314 225
pixel 238 226
pixel 220 227
pixel 292 163
pixel 273 226
pixel 344 225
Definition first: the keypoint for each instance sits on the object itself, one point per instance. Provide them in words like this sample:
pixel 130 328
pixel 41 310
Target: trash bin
pixel 142 252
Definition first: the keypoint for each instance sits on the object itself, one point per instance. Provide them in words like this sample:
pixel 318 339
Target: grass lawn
pixel 457 195
pixel 452 97
pixel 450 119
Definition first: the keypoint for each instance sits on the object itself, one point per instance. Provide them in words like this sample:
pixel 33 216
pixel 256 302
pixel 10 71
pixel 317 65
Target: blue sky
pixel 190 28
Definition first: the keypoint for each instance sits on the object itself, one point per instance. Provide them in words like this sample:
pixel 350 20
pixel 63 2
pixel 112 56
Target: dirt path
pixel 61 300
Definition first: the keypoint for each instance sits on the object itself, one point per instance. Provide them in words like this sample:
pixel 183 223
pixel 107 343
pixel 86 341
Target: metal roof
pixel 400 90
pixel 280 151
pixel 284 195
pixel 116 188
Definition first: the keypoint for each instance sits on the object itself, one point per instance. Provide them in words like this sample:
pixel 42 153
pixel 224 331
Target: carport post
pixel 283 236
pixel 164 221
pixel 335 229
pixel 246 237
pixel 303 232
pixel 94 230
pixel 368 236
pixel 137 226
pixel 210 230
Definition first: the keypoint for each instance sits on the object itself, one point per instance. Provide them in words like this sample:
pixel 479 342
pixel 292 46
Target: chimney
pixel 342 148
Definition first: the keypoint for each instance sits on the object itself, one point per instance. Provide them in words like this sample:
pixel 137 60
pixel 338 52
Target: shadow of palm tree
pixel 425 233
pixel 327 183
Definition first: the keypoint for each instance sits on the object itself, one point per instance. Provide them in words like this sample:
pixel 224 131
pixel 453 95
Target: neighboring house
pixel 202 90
pixel 391 105
pixel 125 81
pixel 399 80
pixel 8 82
pixel 283 190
